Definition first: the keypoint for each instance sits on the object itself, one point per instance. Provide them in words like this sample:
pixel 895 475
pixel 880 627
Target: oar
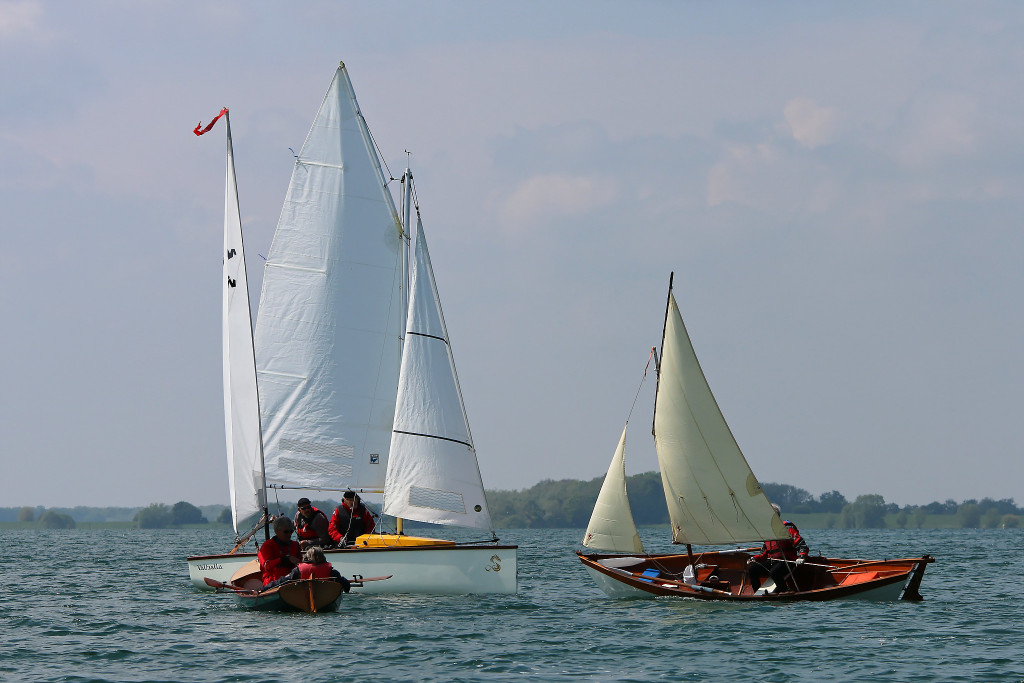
pixel 214 583
pixel 361 580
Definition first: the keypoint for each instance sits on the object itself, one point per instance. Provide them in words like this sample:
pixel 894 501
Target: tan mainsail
pixel 712 495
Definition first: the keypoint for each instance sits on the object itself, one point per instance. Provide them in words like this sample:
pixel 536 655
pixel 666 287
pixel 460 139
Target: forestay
pixel 433 474
pixel 713 497
pixel 241 399
pixel 611 524
pixel 327 336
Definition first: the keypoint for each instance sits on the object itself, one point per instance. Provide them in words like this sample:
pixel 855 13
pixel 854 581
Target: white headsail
pixel 433 474
pixel 713 497
pixel 611 524
pixel 241 399
pixel 328 332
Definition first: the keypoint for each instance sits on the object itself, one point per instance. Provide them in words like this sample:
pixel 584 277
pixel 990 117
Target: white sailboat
pixel 356 377
pixel 713 498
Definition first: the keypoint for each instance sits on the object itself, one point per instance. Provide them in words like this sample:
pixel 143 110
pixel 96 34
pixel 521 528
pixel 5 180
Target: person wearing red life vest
pixel 311 525
pixel 776 555
pixel 350 520
pixel 314 565
pixel 280 554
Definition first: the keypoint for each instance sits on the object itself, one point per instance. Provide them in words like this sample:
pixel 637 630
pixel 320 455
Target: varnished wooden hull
pixel 307 595
pixel 723 576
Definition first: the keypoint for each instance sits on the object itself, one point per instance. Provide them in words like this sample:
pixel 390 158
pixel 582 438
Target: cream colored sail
pixel 713 497
pixel 611 524
pixel 241 400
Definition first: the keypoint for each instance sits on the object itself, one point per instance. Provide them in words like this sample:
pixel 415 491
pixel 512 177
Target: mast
pixel 657 361
pixel 406 239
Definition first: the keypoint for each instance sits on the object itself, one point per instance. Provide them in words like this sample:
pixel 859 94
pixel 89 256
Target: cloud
pixel 16 18
pixel 811 125
pixel 543 197
pixel 938 127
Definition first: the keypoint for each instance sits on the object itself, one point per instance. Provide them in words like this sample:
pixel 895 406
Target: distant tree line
pixel 568 503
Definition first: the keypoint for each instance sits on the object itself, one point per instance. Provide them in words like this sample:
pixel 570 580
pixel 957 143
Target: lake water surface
pixel 117 606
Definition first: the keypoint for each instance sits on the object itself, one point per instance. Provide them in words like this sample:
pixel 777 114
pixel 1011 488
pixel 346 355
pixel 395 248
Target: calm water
pixel 117 606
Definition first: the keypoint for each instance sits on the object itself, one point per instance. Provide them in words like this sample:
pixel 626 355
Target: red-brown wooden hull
pixel 723 576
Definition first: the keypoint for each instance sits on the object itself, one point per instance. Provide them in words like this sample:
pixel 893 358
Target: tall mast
pixel 406 276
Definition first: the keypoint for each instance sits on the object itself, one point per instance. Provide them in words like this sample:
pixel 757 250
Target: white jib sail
pixel 328 332
pixel 713 497
pixel 241 399
pixel 611 524
pixel 433 474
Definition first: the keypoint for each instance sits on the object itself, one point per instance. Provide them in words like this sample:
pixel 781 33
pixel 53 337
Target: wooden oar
pixel 361 580
pixel 214 583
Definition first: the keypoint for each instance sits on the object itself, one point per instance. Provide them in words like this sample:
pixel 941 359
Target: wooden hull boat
pixel 723 576
pixel 306 595
pixel 713 498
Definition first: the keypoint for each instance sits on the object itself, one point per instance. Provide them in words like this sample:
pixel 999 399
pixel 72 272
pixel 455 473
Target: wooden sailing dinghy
pixel 713 499
pixel 303 595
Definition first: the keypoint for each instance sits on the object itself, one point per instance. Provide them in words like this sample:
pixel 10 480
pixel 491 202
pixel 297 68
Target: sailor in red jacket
pixel 314 565
pixel 311 525
pixel 279 554
pixel 350 520
pixel 775 556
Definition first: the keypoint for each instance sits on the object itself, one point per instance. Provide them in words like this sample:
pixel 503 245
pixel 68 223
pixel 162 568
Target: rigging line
pixel 376 147
pixel 642 380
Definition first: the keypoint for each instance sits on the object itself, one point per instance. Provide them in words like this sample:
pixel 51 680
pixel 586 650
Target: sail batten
pixel 699 458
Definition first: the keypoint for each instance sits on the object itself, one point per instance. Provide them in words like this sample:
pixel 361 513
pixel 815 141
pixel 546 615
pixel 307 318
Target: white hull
pixel 430 570
pixel 616 589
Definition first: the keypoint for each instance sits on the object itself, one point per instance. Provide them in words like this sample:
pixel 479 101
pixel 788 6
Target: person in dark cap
pixel 311 525
pixel 350 520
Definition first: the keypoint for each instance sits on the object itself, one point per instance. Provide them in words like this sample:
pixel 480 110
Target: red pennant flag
pixel 207 129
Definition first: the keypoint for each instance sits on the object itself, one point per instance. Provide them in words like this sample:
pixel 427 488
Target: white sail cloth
pixel 712 495
pixel 328 332
pixel 433 474
pixel 611 524
pixel 241 399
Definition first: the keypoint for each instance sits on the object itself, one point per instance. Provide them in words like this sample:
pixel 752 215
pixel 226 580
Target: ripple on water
pixel 131 615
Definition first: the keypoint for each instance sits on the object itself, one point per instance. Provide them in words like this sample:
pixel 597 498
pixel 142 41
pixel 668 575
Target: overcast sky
pixel 838 188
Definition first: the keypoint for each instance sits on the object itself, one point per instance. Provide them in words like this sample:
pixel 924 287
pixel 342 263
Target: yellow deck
pixel 393 540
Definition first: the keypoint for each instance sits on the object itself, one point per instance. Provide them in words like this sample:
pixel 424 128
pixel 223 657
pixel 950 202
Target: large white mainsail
pixel 433 474
pixel 611 524
pixel 241 399
pixel 328 342
pixel 713 497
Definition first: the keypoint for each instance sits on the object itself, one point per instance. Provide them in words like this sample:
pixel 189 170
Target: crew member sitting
pixel 314 565
pixel 279 554
pixel 350 520
pixel 775 556
pixel 311 525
